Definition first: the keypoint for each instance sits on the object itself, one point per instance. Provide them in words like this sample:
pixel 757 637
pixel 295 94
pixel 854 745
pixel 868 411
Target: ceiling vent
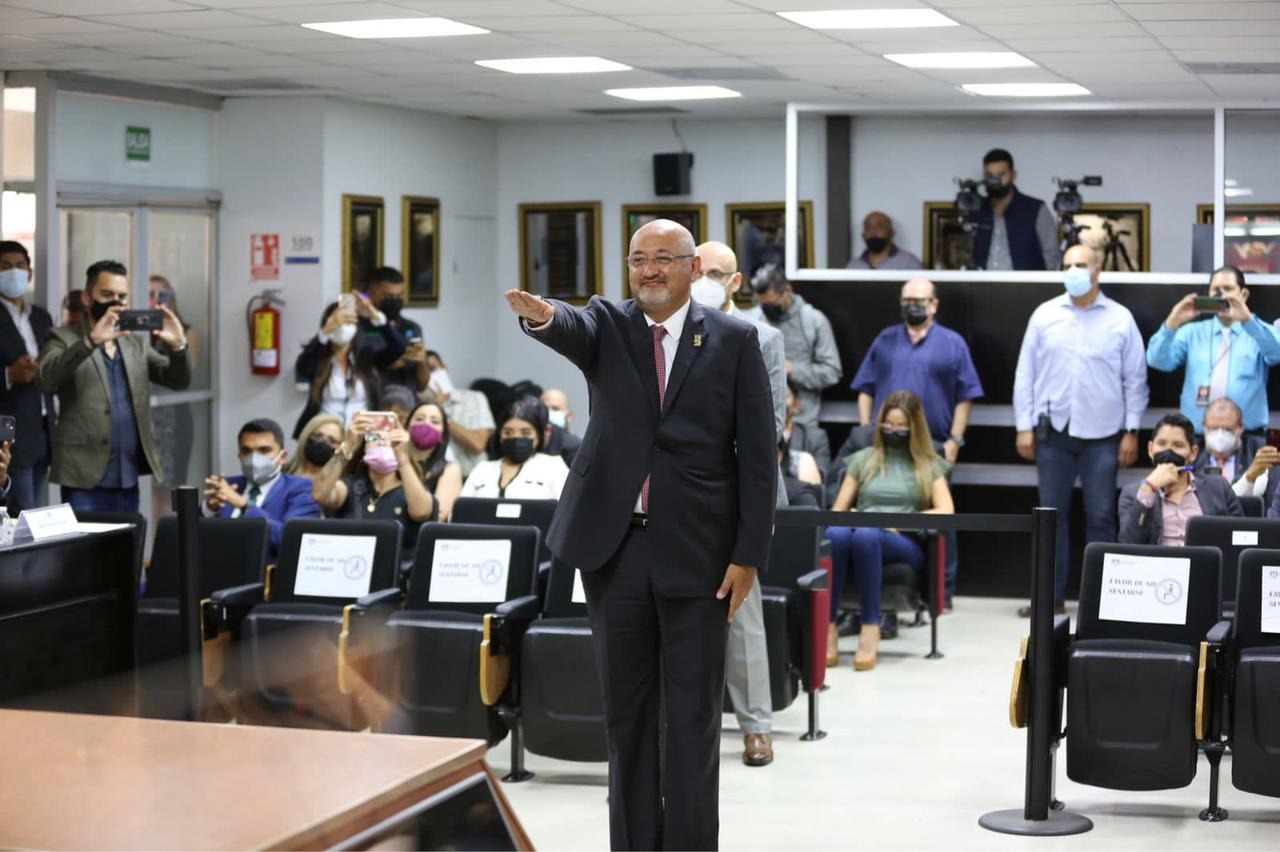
pixel 1234 67
pixel 252 84
pixel 625 111
pixel 749 73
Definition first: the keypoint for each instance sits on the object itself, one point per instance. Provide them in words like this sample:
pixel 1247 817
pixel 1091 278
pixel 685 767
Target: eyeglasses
pixel 662 261
pixel 716 275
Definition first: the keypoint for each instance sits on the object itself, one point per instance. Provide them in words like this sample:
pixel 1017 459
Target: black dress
pixel 364 503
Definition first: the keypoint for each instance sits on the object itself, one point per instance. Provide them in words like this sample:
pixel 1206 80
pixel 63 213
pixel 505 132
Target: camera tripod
pixel 1070 231
pixel 1114 251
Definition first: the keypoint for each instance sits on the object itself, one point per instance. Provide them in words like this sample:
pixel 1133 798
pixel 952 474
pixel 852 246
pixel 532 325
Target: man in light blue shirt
pixel 1078 397
pixel 1227 355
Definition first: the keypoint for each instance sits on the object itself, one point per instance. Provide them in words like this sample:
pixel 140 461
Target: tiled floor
pixel 916 751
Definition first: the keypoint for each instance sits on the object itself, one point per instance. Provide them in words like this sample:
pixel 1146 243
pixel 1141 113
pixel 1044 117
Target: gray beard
pixel 653 302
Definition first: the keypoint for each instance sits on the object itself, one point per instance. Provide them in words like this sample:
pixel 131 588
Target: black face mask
pixel 895 440
pixel 517 450
pixel 1169 457
pixel 391 306
pixel 318 452
pixel 1000 191
pixel 772 312
pixel 875 245
pixel 915 314
pixel 98 310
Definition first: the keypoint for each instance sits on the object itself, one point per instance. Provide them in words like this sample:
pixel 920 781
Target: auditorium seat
pixel 288 650
pixel 497 510
pixel 1232 536
pixel 425 658
pixel 1142 666
pixel 233 553
pixel 1255 728
pixel 549 692
pixel 1253 507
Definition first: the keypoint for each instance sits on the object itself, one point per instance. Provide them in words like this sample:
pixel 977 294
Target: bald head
pixel 663 266
pixel 919 288
pixel 877 232
pixel 919 302
pixel 674 236
pixel 1079 255
pixel 718 255
pixel 719 267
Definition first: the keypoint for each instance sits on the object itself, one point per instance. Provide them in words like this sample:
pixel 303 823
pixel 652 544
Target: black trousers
pixel 661 662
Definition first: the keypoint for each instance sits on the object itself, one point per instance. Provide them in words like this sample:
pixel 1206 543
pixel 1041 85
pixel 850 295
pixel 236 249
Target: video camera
pixel 1068 199
pixel 969 198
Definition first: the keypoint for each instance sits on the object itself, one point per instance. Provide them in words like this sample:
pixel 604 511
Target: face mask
pixel 1169 457
pixel 558 418
pixel 708 293
pixel 13 283
pixel 318 452
pixel 259 469
pixel 772 312
pixel 391 306
pixel 344 335
pixel 1077 282
pixel 425 436
pixel 1000 191
pixel 381 459
pixel 98 310
pixel 895 439
pixel 1221 442
pixel 517 450
pixel 875 245
pixel 915 314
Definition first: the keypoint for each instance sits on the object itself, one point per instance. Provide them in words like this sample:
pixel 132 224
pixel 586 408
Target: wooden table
pixel 107 782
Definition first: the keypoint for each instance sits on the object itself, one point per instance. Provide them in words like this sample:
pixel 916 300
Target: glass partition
pixel 1251 186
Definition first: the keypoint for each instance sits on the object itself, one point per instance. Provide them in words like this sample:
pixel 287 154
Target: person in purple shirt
pixel 924 357
pixel 882 252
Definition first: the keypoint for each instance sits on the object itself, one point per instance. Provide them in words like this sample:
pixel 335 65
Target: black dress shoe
pixel 1059 608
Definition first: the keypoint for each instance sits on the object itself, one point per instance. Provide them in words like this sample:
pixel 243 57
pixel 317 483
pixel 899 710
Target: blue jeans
pixel 865 551
pixel 1059 459
pixel 28 488
pixel 102 499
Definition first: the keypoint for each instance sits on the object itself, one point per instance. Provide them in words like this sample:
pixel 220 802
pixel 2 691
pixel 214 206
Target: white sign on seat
pixel 508 510
pixel 1144 589
pixel 335 566
pixel 1271 599
pixel 470 570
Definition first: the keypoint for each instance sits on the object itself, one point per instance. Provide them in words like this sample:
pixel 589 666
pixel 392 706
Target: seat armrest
pixel 1061 650
pixel 524 608
pixel 385 597
pixel 246 595
pixel 1220 633
pixel 814 581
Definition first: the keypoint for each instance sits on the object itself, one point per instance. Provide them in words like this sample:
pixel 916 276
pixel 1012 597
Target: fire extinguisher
pixel 264 333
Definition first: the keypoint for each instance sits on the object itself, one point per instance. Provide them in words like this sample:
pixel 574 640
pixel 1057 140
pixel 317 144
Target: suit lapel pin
pixel 697 341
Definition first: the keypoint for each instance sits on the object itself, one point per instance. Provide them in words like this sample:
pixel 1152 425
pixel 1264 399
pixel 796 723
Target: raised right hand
pixel 1183 312
pixel 529 307
pixel 1263 461
pixel 1026 445
pixel 338 318
pixel 106 329
pixel 1163 476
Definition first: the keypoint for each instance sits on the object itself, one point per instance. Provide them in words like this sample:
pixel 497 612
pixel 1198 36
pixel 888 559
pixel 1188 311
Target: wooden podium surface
pixel 105 782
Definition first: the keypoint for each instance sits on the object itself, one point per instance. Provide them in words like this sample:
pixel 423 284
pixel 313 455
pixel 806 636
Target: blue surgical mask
pixel 1078 282
pixel 13 283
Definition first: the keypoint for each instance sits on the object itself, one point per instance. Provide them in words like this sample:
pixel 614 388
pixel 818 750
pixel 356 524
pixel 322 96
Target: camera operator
pixel 1014 231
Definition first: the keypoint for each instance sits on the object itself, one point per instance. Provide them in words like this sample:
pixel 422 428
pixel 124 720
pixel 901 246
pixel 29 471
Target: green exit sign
pixel 137 144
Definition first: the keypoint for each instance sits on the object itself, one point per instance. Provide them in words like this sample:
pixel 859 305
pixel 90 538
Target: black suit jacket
pixel 1140 525
pixel 1244 454
pixel 22 402
pixel 711 452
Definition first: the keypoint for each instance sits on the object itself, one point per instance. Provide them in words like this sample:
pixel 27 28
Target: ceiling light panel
pixel 963 59
pixel 554 65
pixel 674 93
pixel 869 19
pixel 397 28
pixel 1026 90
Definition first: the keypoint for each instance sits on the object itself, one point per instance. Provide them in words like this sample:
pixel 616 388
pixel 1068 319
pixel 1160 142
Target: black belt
pixel 639 521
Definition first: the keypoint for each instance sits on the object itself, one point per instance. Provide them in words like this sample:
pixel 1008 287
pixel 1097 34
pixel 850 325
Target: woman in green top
pixel 899 472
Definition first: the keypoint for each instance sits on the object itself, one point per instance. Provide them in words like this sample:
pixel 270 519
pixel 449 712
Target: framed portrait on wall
pixel 1251 235
pixel 636 216
pixel 947 243
pixel 420 250
pixel 362 217
pixel 757 235
pixel 560 254
pixel 1120 234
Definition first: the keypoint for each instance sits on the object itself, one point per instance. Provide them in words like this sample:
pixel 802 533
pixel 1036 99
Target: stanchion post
pixel 186 505
pixel 1036 817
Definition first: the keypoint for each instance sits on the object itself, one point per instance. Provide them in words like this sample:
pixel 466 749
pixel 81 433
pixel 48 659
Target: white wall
pixel 90 135
pixel 611 162
pixel 1167 161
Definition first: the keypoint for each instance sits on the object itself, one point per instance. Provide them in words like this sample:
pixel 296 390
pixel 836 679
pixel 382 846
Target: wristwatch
pixel 957 440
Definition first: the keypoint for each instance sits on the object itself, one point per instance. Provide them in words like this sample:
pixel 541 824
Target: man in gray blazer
pixel 747 663
pixel 1156 510
pixel 104 440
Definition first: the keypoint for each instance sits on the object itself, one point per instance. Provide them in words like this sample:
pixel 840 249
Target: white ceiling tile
pixel 656 7
pixel 478 9
pixel 335 12
pixel 1238 86
pixel 1091 12
pixel 262 31
pixel 102 7
pixel 1180 43
pixel 118 38
pixel 554 24
pixel 1117 46
pixel 195 19
pixel 10 13
pixel 1213 10
pixel 55 26
pixel 1083 30
pixel 822 5
pixel 1225 54
pixel 791 38
pixel 594 41
pixel 698 20
pixel 1169 29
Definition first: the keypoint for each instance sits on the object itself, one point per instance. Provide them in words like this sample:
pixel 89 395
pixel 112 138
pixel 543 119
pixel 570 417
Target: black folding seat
pixel 1232 536
pixel 1253 507
pixel 424 660
pixel 1141 668
pixel 1255 700
pixel 496 510
pixel 289 636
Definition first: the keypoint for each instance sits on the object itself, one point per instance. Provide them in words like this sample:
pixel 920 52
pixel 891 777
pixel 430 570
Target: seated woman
pixel 428 427
pixel 1156 510
pixel 899 472
pixel 371 476
pixel 800 476
pixel 317 443
pixel 522 472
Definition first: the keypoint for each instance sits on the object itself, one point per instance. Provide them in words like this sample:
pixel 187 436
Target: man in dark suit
pixel 262 491
pixel 668 513
pixel 1244 458
pixel 1156 510
pixel 22 327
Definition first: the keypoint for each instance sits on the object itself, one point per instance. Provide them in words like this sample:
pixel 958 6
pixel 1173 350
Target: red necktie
pixel 660 364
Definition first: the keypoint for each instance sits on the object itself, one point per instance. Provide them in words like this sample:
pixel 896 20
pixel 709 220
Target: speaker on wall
pixel 671 173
